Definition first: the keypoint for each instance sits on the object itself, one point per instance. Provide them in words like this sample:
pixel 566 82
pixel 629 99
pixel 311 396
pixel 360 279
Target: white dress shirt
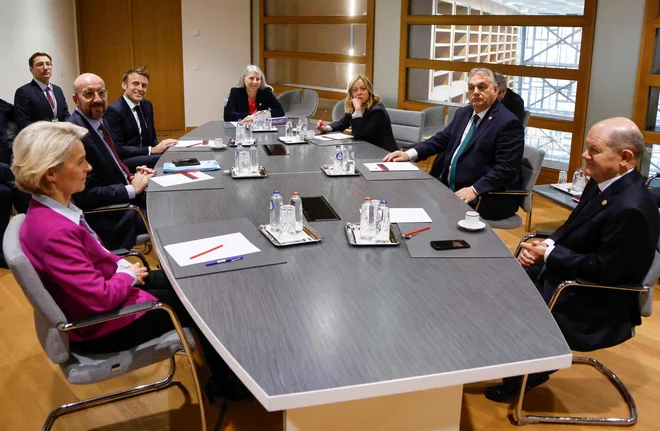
pixel 96 125
pixel 43 87
pixel 75 214
pixel 602 186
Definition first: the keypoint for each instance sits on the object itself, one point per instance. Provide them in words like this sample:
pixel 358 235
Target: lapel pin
pixel 490 118
pixel 604 202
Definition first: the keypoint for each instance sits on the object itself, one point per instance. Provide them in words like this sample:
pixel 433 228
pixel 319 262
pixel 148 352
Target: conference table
pixel 355 338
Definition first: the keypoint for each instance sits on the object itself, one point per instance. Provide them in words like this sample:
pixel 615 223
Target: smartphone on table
pixel 449 244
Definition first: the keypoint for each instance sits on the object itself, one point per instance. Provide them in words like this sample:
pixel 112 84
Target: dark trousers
pixel 153 324
pixel 148 161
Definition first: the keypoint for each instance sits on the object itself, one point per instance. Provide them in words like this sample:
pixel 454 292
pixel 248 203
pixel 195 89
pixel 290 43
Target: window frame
pixel 645 78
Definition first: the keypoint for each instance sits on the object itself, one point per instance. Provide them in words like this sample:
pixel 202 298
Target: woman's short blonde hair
pixel 39 147
pixel 373 99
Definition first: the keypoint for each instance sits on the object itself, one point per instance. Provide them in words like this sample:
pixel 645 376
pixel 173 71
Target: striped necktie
pixel 454 162
pixel 108 141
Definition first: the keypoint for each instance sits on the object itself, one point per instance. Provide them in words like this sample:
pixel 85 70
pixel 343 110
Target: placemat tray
pixel 261 174
pixel 353 231
pixel 310 236
pixel 327 169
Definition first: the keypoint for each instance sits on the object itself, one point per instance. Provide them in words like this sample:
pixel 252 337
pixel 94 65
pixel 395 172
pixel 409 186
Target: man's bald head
pixel 90 95
pixel 614 146
pixel 620 133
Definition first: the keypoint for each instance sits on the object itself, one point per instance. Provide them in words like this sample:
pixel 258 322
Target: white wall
pixel 615 59
pixel 28 26
pixel 214 60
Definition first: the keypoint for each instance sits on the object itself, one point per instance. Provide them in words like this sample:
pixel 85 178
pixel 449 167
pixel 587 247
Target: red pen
pixel 199 143
pixel 204 252
pixel 415 232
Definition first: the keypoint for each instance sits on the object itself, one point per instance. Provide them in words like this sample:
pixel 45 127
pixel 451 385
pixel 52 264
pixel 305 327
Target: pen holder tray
pixel 307 236
pixel 261 173
pixel 353 236
pixel 327 169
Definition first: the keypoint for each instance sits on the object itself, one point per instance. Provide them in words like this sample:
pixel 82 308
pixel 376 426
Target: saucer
pixel 480 226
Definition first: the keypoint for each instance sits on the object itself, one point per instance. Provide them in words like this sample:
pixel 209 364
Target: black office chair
pixel 645 290
pixel 654 181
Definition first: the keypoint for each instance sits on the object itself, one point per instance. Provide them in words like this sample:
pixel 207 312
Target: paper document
pixel 409 215
pixel 391 166
pixel 332 137
pixel 195 143
pixel 180 178
pixel 566 188
pixel 233 244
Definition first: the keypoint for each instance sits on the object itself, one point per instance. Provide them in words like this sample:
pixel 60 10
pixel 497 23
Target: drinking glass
pixel 563 177
pixel 287 223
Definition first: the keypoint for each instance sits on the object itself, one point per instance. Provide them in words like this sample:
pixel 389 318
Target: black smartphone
pixel 449 244
pixel 185 162
pixel 316 208
pixel 275 150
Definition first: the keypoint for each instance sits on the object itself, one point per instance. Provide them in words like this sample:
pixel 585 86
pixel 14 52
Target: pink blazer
pixel 77 271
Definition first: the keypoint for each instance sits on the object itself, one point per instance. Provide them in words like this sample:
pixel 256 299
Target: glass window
pixel 311 74
pixel 557 47
pixel 348 39
pixel 655 67
pixel 315 8
pixel 556 144
pixel 497 7
pixel 655 162
pixel 552 98
pixel 653 111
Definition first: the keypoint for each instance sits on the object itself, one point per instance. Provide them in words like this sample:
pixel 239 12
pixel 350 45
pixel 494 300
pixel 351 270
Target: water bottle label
pixel 338 156
pixel 236 153
pixel 272 206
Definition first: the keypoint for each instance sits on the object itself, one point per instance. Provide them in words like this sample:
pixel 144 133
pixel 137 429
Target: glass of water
pixel 287 223
pixel 240 132
pixel 563 177
pixel 579 181
pixel 243 161
pixel 249 138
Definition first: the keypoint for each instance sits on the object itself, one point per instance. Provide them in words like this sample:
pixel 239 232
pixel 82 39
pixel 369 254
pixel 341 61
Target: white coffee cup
pixel 472 219
pixel 310 134
pixel 217 143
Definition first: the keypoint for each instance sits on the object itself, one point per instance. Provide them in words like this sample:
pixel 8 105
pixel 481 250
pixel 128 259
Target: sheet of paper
pixel 234 123
pixel 196 143
pixel 409 215
pixel 391 166
pixel 335 136
pixel 233 244
pixel 180 178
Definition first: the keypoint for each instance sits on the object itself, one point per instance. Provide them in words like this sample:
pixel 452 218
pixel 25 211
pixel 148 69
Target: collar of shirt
pixel 130 102
pixel 605 184
pixel 43 86
pixel 71 212
pixel 94 123
pixel 481 115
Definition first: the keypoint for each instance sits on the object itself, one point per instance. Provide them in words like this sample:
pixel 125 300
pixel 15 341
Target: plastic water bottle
pixel 337 161
pixel 240 132
pixel 350 163
pixel 237 153
pixel 302 129
pixel 367 220
pixel 297 204
pixel 288 129
pixel 383 224
pixel 275 204
pixel 269 120
pixel 254 159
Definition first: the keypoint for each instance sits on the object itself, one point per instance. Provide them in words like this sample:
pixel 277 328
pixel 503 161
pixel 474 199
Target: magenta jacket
pixel 77 271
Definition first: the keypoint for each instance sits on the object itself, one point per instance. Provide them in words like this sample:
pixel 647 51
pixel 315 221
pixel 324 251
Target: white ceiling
pixel 544 7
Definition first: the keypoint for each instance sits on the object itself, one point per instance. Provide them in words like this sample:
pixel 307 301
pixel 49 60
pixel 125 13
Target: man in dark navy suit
pixel 479 152
pixel 6 113
pixel 509 98
pixel 40 100
pixel 130 121
pixel 110 181
pixel 609 239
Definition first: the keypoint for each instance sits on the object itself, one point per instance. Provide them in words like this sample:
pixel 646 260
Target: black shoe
pixel 510 387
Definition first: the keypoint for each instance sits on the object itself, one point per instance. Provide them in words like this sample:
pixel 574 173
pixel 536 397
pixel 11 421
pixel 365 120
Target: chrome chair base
pixel 521 419
pixel 110 398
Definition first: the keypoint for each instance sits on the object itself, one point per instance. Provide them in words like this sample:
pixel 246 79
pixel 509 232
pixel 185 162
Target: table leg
pixel 431 410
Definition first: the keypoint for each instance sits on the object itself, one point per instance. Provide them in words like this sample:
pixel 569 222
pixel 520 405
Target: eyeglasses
pixel 89 94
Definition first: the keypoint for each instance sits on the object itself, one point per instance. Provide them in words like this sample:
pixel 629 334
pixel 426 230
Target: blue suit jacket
pixel 31 105
pixel 237 104
pixel 121 124
pixel 105 182
pixel 609 239
pixel 490 161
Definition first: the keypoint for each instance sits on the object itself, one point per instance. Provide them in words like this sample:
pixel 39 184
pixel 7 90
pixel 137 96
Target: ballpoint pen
pixel 225 260
pixel 415 232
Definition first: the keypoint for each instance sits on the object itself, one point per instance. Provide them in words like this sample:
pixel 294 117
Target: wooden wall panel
pixel 158 46
pixel 104 43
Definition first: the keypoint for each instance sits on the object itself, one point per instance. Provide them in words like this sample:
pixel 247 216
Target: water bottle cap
pixel 367 198
pixel 383 202
pixel 295 193
pixel 276 192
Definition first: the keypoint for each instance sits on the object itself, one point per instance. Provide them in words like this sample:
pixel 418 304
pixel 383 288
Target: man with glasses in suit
pixel 40 100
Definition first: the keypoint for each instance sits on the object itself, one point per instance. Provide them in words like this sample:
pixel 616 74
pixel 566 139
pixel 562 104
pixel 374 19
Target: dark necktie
pixel 108 140
pixel 50 100
pixel 461 147
pixel 143 126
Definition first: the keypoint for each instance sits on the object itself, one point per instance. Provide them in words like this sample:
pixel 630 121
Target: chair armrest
pixel 639 288
pixel 511 192
pixel 115 207
pixel 539 234
pixel 107 316
pixel 133 253
pixel 120 252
